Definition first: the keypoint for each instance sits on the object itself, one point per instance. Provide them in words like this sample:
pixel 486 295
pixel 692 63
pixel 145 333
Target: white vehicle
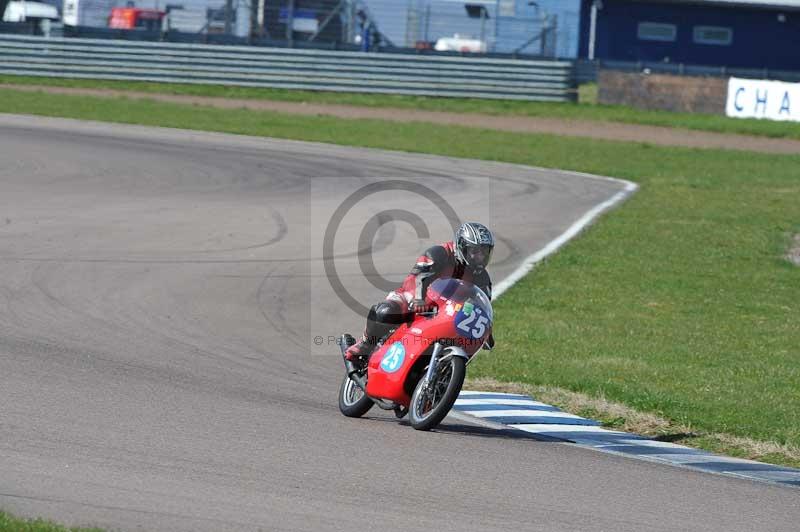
pixel 92 13
pixel 460 43
pixel 29 11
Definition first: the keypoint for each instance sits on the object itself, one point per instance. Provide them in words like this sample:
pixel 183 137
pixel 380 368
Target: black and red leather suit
pixel 437 262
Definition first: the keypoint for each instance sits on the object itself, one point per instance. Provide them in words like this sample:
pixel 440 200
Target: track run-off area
pixel 161 296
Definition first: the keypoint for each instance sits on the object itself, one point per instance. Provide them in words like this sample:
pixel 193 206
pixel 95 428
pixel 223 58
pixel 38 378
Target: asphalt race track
pixel 160 292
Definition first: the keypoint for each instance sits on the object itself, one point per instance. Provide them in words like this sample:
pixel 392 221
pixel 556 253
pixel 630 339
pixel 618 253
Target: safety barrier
pixel 323 70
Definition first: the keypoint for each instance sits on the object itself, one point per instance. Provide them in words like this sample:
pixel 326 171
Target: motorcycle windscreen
pixel 456 291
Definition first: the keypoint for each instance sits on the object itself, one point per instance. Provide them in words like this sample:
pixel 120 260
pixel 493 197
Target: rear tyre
pixel 353 402
pixel 429 408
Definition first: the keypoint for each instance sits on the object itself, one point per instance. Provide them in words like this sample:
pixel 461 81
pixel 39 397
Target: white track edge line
pixel 531 261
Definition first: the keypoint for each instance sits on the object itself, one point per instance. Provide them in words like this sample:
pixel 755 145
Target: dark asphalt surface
pixel 159 295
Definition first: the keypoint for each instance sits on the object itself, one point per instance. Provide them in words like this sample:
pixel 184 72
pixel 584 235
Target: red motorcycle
pixel 419 368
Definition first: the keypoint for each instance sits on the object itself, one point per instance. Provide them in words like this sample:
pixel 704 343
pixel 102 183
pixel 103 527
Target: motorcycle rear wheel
pixel 427 410
pixel 353 402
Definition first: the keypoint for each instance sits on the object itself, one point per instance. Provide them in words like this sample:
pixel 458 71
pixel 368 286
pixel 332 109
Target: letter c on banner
pixel 736 99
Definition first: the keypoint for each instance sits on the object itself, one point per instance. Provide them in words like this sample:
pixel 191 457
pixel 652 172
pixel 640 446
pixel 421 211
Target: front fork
pixel 432 366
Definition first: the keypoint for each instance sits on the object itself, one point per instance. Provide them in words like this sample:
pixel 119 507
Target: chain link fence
pixel 544 28
pixel 489 27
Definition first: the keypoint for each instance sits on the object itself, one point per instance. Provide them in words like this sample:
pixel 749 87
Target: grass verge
pixel 793 254
pixel 9 523
pixel 587 94
pixel 617 416
pixel 566 111
pixel 680 304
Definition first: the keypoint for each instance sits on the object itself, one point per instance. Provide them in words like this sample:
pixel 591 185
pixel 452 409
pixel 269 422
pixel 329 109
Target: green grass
pixel 678 303
pixel 9 523
pixel 567 111
pixel 587 94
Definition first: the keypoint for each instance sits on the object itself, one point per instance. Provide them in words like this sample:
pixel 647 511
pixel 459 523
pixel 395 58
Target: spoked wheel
pixel 430 404
pixel 353 402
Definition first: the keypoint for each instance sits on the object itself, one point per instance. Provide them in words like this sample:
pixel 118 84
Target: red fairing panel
pixel 389 366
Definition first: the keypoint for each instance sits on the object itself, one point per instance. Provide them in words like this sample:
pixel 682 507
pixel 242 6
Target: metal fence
pixel 586 71
pixel 682 69
pixel 507 27
pixel 288 68
pixel 545 28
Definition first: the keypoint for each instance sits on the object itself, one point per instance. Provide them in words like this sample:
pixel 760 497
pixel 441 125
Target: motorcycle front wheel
pixel 430 405
pixel 353 402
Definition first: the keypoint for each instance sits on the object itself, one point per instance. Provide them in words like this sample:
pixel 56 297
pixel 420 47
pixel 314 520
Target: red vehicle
pixel 419 369
pixel 133 18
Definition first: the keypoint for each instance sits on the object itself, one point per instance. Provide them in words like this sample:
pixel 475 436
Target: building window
pixel 655 31
pixel 713 35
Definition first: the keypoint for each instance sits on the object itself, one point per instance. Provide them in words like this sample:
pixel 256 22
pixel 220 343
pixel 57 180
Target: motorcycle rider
pixel 465 257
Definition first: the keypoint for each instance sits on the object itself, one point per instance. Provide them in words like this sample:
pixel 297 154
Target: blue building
pixel 733 33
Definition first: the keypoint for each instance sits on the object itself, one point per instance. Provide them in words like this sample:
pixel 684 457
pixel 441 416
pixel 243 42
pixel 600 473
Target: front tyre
pixel 353 402
pixel 430 405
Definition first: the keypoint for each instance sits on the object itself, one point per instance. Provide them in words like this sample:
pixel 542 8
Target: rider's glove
pixel 419 306
pixel 489 344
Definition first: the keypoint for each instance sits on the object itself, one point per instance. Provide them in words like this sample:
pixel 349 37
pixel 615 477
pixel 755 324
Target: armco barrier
pixel 288 68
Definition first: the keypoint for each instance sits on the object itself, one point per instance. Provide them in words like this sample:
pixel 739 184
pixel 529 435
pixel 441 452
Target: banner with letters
pixel 758 98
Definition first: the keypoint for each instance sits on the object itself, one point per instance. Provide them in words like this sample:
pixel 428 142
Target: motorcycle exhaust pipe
pixel 352 372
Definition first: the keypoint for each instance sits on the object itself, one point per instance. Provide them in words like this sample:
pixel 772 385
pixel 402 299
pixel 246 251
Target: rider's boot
pixel 374 332
pixel 359 352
